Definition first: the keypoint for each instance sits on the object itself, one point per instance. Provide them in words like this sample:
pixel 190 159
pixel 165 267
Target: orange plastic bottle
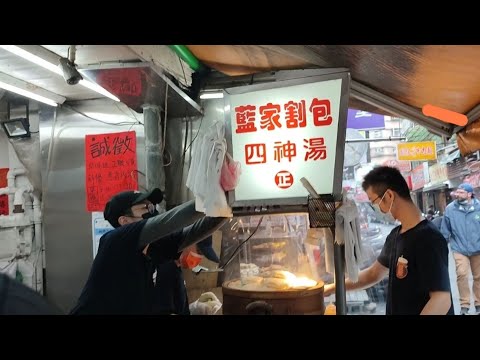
pixel 330 310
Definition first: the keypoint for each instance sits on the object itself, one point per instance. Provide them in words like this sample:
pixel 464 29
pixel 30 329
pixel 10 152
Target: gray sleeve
pixel 200 230
pixel 168 222
pixel 445 228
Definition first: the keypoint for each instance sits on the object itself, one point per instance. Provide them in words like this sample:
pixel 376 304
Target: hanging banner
pixel 100 226
pixel 417 151
pixel 363 120
pixel 111 166
pixel 283 131
pixel 3 198
pixel 438 173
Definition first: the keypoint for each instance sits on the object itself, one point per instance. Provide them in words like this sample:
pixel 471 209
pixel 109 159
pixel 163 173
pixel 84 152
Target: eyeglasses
pixel 150 207
pixel 378 197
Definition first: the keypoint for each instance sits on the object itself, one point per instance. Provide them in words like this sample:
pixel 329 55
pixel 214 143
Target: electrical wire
pixel 183 70
pixel 122 123
pixel 125 113
pixel 10 261
pixel 236 251
pixel 196 135
pixel 165 119
pixel 133 178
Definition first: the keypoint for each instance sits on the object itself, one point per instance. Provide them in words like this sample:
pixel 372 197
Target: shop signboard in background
pixel 417 151
pixel 420 176
pixel 284 131
pixel 111 166
pixel 473 180
pixel 438 173
pixel 404 167
pixel 474 177
pixel 363 120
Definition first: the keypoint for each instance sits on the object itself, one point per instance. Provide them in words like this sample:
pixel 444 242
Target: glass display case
pixel 274 262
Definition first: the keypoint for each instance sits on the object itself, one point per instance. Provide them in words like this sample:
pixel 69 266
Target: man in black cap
pixel 121 278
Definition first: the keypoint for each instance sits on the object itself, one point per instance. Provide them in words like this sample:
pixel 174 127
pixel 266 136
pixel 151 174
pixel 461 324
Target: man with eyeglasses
pixel 121 277
pixel 414 256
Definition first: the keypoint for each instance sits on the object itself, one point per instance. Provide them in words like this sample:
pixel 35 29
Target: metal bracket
pixel 269 209
pixel 321 211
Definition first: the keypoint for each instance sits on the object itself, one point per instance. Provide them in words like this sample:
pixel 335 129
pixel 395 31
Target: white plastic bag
pixel 207 304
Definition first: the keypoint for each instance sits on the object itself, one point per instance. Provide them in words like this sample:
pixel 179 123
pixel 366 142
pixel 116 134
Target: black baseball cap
pixel 121 202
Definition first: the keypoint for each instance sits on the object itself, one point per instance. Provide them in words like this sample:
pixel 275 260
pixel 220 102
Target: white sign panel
pixel 281 135
pixel 100 226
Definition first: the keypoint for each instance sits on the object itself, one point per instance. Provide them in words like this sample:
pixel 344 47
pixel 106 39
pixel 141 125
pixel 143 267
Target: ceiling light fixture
pixel 211 95
pixel 23 88
pixel 18 127
pixel 56 69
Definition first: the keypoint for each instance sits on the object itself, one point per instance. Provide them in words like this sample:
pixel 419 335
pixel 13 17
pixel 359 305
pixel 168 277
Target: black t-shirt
pixel 121 277
pixel 426 251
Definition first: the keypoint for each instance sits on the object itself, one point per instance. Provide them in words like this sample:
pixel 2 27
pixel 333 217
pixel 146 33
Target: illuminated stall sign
pixel 282 134
pixel 111 166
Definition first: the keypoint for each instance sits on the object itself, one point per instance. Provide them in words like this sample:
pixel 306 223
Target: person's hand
pixel 328 289
pixel 189 257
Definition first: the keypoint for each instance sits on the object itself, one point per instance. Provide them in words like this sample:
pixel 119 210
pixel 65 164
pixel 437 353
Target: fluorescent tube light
pixel 211 95
pixel 54 68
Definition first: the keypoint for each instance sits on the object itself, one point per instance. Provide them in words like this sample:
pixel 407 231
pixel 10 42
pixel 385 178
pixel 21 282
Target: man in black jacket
pixel 121 278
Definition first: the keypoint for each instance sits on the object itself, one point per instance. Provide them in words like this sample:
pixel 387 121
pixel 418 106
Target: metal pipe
pixel 391 138
pixel 472 115
pixel 155 174
pixel 27 271
pixel 269 210
pixel 72 51
pixel 186 55
pixel 11 175
pixel 4 191
pixel 339 262
pixel 39 244
pixel 15 220
pixel 18 200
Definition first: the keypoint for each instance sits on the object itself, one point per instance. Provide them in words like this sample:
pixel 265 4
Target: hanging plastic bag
pixel 230 173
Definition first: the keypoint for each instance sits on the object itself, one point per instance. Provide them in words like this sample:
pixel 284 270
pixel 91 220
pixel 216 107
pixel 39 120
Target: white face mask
pixel 388 216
